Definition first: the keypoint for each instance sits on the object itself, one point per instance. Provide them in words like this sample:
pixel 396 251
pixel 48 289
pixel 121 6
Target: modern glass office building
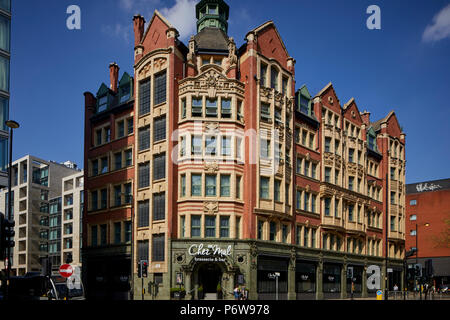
pixel 5 47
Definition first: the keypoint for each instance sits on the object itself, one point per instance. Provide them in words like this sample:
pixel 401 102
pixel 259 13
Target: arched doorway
pixel 209 276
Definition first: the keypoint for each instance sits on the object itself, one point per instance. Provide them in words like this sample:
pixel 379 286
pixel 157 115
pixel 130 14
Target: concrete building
pixel 36 195
pixel 428 228
pixel 239 177
pixel 5 55
pixel 71 219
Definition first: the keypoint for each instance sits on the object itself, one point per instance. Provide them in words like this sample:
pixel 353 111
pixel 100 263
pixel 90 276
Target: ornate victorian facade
pixel 238 176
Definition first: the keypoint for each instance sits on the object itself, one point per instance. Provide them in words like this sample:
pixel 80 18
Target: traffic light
pixel 410 273
pixel 144 268
pixel 6 234
pixel 350 272
pixel 418 270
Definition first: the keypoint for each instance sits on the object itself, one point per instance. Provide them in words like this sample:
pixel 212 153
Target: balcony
pixel 331 221
pixel 396 235
pixel 353 226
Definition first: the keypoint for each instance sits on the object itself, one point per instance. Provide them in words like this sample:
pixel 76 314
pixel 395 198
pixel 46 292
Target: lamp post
pixel 131 199
pixel 11 124
pixel 417 249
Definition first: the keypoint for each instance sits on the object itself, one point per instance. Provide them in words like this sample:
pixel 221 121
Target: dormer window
pixel 102 103
pixel 212 10
pixel 371 140
pixel 125 93
pixel 304 104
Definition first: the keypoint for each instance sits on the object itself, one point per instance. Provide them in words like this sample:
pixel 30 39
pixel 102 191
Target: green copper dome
pixel 212 14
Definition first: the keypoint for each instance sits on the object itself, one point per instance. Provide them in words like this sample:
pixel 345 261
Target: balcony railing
pixel 332 221
pixel 354 226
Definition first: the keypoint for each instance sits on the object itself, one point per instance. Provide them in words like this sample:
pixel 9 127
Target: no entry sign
pixel 66 270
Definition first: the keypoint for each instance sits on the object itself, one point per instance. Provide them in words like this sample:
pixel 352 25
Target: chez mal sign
pixel 209 253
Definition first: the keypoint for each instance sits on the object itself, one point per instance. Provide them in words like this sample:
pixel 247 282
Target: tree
pixel 442 240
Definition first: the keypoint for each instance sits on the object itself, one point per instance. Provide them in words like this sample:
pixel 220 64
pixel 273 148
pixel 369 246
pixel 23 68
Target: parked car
pixel 444 288
pixel 61 291
pixel 38 287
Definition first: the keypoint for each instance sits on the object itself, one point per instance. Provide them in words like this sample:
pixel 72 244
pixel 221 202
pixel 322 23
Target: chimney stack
pixel 114 76
pixel 139 25
pixel 365 117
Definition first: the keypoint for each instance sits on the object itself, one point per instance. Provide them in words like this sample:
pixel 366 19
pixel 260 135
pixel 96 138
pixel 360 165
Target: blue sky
pixel 395 68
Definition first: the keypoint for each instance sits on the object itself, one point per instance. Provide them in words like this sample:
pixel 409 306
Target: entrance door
pixel 209 276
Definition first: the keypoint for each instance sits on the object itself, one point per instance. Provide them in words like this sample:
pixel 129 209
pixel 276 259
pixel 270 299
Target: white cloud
pixel 440 27
pixel 182 17
pixel 118 30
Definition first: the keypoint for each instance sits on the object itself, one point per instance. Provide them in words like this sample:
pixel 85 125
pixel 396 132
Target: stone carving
pixel 211 207
pixel 145 70
pixel 293 259
pixel 266 92
pixel 159 64
pixel 211 126
pixel 211 167
pixel 231 60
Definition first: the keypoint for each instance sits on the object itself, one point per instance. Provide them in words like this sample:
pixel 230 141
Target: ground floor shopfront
pixel 266 269
pixel 107 273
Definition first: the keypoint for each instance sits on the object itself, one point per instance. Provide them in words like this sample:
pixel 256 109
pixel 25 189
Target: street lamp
pixel 11 124
pixel 417 249
pixel 131 199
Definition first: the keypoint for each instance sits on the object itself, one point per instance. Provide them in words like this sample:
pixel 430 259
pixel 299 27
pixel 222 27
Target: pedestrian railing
pixel 415 295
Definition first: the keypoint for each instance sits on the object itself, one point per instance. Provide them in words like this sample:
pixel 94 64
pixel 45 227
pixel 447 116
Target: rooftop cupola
pixel 212 14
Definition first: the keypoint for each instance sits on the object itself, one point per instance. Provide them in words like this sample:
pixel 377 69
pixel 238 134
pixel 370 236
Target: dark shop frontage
pixel 269 271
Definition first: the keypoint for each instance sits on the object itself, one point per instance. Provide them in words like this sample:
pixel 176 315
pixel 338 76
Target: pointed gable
pixel 329 98
pixel 155 35
pixel 393 127
pixel 102 90
pixel 351 112
pixel 270 43
pixel 125 79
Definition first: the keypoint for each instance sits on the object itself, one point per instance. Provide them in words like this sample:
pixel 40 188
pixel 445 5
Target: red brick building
pixel 427 226
pixel 239 177
pixel 109 178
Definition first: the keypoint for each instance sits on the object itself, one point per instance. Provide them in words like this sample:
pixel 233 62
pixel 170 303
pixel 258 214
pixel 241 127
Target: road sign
pixel 66 270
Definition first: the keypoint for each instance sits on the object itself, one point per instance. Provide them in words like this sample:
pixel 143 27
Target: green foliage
pixel 177 289
pixel 442 240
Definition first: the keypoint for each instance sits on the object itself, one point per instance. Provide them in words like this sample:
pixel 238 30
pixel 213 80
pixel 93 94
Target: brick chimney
pixel 114 76
pixel 365 117
pixel 139 25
